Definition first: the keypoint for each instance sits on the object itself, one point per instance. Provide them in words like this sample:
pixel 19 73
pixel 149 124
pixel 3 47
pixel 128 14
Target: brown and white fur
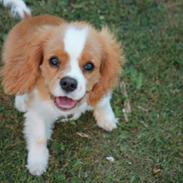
pixel 29 73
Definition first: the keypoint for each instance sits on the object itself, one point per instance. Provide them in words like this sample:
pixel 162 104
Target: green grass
pixel 149 147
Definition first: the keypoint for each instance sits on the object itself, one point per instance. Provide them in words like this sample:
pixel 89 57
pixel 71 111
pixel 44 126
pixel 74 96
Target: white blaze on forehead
pixel 74 41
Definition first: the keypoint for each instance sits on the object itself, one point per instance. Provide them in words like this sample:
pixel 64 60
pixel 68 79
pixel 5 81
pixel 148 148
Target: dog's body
pixel 58 70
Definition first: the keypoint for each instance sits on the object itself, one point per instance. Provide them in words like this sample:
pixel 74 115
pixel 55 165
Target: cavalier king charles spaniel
pixel 58 70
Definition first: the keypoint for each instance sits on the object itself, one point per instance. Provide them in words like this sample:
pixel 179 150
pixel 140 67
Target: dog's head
pixel 74 61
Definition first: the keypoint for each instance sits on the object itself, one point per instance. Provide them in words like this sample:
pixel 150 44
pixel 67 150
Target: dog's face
pixel 74 60
pixel 71 64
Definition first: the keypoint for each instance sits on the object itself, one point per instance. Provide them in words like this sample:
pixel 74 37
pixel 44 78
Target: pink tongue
pixel 65 103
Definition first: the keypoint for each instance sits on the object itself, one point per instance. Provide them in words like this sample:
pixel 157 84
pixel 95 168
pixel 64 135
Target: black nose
pixel 68 84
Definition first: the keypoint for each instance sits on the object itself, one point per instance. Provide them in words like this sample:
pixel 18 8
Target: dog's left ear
pixel 110 67
pixel 22 56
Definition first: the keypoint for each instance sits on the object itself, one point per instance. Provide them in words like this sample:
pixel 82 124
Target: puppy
pixel 59 69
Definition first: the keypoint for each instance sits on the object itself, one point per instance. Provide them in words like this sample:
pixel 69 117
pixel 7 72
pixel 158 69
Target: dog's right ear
pixel 22 56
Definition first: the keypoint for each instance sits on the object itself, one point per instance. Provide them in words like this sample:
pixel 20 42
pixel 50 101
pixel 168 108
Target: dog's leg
pixel 37 131
pixel 20 103
pixel 104 114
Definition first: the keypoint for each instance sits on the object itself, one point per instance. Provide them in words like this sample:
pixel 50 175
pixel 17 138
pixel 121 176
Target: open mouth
pixel 65 103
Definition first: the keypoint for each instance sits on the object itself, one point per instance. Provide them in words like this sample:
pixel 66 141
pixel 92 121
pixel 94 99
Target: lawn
pixel 147 146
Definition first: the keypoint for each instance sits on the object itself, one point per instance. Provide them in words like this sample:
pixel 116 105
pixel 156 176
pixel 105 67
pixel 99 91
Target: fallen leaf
pixel 110 158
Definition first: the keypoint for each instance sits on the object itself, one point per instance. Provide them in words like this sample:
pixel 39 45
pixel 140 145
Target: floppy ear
pixel 22 55
pixel 110 67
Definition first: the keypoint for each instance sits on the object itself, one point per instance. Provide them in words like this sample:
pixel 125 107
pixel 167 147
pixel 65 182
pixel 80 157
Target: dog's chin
pixel 65 103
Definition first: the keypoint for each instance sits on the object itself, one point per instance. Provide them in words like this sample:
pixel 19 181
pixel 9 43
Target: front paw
pixel 107 124
pixel 37 162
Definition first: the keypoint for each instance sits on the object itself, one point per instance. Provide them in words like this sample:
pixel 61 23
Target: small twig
pixel 84 135
pixel 127 107
pixel 143 109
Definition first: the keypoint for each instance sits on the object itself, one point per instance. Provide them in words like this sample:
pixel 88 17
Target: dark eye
pixel 88 67
pixel 54 61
